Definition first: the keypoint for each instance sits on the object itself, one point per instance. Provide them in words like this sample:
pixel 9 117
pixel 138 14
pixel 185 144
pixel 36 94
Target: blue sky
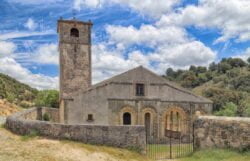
pixel 126 33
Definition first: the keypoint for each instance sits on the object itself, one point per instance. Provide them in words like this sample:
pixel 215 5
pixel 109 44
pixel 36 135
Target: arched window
pixel 147 123
pixel 174 120
pixel 74 32
pixel 177 125
pixel 126 118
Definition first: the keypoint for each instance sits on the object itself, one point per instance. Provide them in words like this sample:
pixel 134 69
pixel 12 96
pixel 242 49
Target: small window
pixel 74 32
pixel 90 117
pixel 140 91
pixel 126 118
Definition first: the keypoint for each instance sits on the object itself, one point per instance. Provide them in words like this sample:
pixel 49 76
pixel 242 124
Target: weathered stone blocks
pixel 222 132
pixel 118 136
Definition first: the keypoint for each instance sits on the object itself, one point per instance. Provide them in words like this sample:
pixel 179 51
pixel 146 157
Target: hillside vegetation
pixel 14 94
pixel 226 83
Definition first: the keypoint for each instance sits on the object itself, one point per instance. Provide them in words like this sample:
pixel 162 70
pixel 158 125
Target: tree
pixel 241 83
pixel 48 98
pixel 193 68
pixel 236 62
pixel 247 111
pixel 223 67
pixel 189 79
pixel 201 69
pixel 213 66
pixel 248 60
pixel 170 72
pixel 221 96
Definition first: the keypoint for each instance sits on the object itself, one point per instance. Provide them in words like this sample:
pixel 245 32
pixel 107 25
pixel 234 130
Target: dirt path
pixel 19 148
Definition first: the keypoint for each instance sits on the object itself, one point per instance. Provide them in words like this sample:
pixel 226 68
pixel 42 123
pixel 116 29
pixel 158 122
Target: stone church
pixel 135 97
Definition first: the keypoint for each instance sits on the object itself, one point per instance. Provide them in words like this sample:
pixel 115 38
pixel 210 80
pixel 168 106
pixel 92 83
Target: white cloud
pixel 147 35
pixel 146 7
pixel 107 63
pixel 172 46
pixel 35 1
pixel 185 54
pixel 78 4
pixel 30 24
pixel 6 48
pixel 46 54
pixel 10 67
pixel 231 17
pixel 22 34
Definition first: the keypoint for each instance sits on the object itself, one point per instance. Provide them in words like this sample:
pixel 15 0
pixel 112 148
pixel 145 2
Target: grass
pixel 2 126
pixel 218 155
pixel 31 135
pixel 33 147
pixel 184 153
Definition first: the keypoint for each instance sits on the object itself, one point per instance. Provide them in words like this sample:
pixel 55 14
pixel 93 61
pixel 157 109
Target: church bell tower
pixel 75 56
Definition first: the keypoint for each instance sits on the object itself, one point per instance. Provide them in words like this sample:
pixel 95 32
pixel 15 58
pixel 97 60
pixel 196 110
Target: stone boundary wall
pixel 26 122
pixel 222 132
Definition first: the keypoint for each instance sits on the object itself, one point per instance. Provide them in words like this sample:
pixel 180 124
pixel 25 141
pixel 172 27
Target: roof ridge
pixel 169 83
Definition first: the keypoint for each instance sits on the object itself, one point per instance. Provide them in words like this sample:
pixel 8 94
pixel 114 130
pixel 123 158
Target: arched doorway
pixel 147 122
pixel 126 118
pixel 174 122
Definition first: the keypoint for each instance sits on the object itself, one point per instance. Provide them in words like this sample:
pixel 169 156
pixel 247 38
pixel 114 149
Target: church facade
pixel 135 97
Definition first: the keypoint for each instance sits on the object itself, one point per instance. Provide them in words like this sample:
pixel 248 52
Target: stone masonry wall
pixel 24 123
pixel 222 132
pixel 53 113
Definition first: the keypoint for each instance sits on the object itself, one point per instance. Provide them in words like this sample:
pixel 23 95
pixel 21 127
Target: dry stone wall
pixel 222 132
pixel 26 122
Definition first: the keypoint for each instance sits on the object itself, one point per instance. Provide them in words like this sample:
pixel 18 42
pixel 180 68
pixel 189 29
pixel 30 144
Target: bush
pixel 230 109
pixel 46 117
pixel 241 83
pixel 25 104
pixel 221 96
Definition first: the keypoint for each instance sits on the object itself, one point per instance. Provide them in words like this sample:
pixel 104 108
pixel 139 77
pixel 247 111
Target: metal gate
pixel 177 142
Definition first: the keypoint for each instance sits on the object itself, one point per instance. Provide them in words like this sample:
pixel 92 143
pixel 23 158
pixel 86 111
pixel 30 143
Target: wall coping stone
pixel 225 118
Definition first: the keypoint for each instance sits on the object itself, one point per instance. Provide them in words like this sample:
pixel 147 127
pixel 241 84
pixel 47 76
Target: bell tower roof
pixel 73 21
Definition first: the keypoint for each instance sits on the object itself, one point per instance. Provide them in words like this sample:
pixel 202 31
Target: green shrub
pixel 230 109
pixel 46 117
pixel 25 104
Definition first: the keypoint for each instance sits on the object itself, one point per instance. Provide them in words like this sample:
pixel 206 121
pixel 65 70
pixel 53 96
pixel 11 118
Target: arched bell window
pixel 74 32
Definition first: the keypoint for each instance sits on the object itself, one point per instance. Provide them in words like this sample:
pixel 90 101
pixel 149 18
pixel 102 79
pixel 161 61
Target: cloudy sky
pixel 154 33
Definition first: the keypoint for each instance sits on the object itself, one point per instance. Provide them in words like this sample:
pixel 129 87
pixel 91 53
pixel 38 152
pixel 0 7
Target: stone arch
pixel 152 113
pixel 74 32
pixel 131 111
pixel 174 119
